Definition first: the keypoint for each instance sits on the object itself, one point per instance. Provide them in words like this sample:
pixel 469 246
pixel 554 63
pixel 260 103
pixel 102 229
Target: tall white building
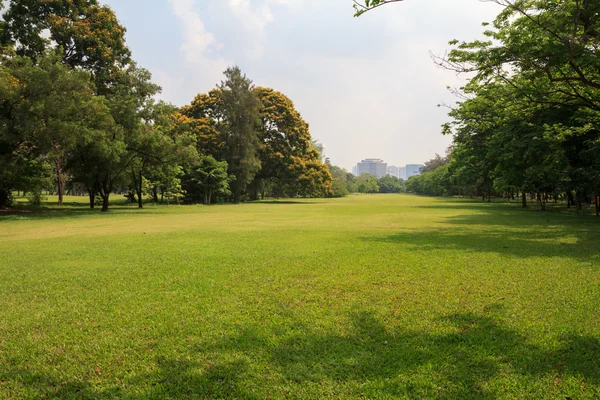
pixel 402 173
pixel 373 166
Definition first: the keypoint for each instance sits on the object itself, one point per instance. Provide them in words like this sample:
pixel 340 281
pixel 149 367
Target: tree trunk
pixel 597 202
pixel 60 180
pixel 92 195
pixel 105 188
pixel 105 201
pixel 4 198
pixel 139 190
pixel 155 194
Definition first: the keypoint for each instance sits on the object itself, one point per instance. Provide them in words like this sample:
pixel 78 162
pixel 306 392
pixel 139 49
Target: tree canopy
pixel 77 111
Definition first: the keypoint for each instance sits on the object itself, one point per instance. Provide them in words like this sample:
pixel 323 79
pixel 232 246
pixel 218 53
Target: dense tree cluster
pixel 262 137
pixel 78 114
pixel 528 122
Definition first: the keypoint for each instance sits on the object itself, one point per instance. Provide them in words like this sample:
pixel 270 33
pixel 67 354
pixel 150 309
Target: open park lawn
pixel 383 296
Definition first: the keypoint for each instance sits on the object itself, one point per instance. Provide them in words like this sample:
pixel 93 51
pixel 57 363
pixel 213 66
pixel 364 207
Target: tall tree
pixel 289 162
pixel 240 110
pixel 56 102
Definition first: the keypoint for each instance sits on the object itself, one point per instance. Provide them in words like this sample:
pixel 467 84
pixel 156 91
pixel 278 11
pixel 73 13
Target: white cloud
pixel 202 66
pixel 253 18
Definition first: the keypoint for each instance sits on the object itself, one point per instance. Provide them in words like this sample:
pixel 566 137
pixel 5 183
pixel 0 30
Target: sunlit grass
pixel 364 297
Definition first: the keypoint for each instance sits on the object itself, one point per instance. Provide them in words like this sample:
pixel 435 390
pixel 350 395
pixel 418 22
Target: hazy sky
pixel 366 86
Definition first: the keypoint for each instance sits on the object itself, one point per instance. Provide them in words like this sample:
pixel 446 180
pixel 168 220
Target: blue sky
pixel 366 86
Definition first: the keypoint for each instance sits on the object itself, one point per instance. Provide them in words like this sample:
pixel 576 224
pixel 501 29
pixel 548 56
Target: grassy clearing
pixel 364 297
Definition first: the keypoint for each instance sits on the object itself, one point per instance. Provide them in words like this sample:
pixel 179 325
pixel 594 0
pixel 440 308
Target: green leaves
pixel 361 7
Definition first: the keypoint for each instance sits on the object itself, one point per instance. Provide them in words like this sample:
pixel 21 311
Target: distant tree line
pixel 78 115
pixel 528 120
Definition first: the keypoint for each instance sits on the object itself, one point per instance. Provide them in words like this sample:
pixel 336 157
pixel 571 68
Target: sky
pixel 366 86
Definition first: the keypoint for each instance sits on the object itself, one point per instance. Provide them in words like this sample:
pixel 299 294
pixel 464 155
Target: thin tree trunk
pixel 60 180
pixel 105 190
pixel 138 189
pixel 524 199
pixel 92 195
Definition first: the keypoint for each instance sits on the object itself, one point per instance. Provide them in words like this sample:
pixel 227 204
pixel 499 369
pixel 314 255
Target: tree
pixel 206 120
pixel 434 163
pixel 339 185
pixel 367 183
pixel 88 34
pixel 162 143
pixel 240 111
pixel 56 102
pixel 130 100
pixel 390 184
pixel 288 160
pixel 208 179
pixel 48 111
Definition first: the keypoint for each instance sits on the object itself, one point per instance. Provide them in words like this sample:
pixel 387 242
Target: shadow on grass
pixel 475 357
pixel 512 207
pixel 282 202
pixel 506 231
pixel 453 365
pixel 44 213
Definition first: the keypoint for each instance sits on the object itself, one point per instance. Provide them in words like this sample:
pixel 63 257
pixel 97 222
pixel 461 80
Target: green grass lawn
pixel 384 296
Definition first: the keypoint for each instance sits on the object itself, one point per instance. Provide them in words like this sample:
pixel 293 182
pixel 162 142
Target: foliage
pixel 261 136
pixel 289 162
pixel 367 183
pixel 88 34
pixel 528 121
pixel 208 180
pixel 362 6
pixel 390 184
pixel 240 113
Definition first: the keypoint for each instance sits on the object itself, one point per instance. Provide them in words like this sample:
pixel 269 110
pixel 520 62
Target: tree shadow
pixel 466 359
pixel 509 232
pixel 172 379
pixel 456 364
pixel 513 207
pixel 71 212
pixel 282 202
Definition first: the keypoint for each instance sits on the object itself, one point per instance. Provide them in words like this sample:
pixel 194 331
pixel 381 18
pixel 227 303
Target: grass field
pixel 385 296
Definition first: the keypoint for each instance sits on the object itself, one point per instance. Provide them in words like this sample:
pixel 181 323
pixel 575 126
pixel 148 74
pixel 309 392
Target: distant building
pixel 402 173
pixel 392 170
pixel 373 166
pixel 355 170
pixel 413 170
